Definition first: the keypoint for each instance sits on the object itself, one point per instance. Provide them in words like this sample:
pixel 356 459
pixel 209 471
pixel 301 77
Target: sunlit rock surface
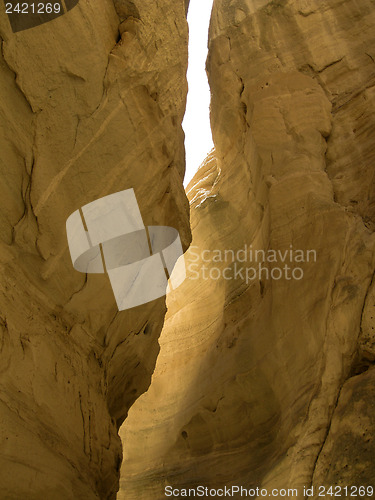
pixel 247 385
pixel 91 103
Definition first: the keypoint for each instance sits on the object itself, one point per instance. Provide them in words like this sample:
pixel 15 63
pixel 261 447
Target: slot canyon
pixel 262 381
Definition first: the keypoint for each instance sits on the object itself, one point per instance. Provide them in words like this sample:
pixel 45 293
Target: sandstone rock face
pixel 91 103
pixel 347 457
pixel 247 383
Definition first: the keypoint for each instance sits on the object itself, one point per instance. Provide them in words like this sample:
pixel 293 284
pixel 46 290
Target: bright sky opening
pixel 196 124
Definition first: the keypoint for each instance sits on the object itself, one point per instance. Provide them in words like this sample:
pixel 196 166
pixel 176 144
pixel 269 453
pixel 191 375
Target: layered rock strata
pixel 91 103
pixel 261 380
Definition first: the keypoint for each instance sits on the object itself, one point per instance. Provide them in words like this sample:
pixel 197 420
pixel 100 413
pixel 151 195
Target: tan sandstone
pixel 247 385
pixel 91 103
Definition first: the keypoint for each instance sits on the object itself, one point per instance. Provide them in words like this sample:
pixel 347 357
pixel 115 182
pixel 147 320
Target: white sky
pixel 198 138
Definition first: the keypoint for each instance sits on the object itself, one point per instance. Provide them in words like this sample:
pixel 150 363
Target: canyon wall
pixel 265 381
pixel 91 103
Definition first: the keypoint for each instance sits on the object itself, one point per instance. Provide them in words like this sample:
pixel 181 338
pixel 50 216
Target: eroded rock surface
pixel 91 103
pixel 347 458
pixel 249 374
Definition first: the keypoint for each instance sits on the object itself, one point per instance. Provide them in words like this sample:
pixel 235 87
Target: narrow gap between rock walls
pixel 196 124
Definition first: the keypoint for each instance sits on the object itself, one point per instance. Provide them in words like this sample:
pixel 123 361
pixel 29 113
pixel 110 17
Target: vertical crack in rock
pixel 16 77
